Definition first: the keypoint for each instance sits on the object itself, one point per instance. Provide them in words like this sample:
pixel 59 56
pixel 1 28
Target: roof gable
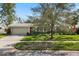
pixel 21 25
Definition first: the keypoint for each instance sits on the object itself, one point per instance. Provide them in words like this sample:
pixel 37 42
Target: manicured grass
pixel 47 37
pixel 2 35
pixel 66 37
pixel 60 45
pixel 48 46
pixel 36 38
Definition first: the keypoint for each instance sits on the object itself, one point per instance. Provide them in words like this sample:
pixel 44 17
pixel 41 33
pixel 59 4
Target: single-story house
pixel 20 29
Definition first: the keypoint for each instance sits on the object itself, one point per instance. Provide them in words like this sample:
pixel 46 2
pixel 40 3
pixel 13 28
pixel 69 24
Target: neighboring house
pixel 20 28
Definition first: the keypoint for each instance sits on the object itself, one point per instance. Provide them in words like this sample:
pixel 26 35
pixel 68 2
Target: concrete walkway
pixel 9 41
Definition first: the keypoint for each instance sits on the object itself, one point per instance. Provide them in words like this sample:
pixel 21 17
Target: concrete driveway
pixel 9 41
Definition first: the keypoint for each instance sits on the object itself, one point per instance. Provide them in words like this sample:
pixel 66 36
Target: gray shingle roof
pixel 21 25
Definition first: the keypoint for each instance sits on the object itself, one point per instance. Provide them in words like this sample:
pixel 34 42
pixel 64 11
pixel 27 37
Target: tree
pixel 20 20
pixel 50 13
pixel 7 13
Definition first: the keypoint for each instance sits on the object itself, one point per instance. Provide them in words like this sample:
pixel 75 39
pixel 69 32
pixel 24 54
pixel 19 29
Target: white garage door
pixel 19 30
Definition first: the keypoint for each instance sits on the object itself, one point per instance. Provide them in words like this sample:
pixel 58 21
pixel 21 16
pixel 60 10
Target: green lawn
pixel 2 35
pixel 48 46
pixel 60 45
pixel 66 37
pixel 47 37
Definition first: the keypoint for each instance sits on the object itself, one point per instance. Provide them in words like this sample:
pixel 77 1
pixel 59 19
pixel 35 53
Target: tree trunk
pixel 52 22
pixel 52 30
pixel 51 34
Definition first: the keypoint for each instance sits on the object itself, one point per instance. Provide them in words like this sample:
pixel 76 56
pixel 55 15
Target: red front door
pixel 74 28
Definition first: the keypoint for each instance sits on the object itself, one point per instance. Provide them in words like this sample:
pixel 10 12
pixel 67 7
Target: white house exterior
pixel 20 29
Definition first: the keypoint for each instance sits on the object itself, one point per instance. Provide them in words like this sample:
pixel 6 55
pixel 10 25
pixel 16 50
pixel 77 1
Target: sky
pixel 24 9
